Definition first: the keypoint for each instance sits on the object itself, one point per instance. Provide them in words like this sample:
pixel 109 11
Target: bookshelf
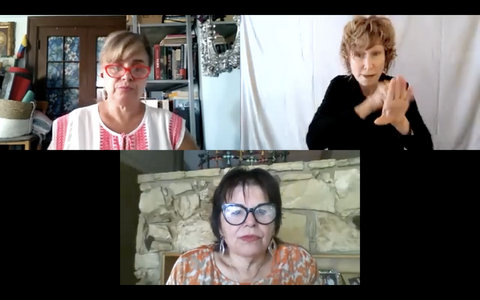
pixel 155 33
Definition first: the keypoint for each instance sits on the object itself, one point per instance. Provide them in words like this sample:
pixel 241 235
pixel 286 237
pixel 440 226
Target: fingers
pixel 403 89
pixel 398 88
pixel 390 90
pixel 410 96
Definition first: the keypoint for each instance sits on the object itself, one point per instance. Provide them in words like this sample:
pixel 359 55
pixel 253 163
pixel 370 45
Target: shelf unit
pixel 155 33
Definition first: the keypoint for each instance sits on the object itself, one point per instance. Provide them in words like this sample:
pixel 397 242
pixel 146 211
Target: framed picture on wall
pixel 351 278
pixel 7 42
pixel 329 277
pixel 169 259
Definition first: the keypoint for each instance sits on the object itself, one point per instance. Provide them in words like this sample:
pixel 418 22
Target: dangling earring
pixel 272 246
pixel 222 245
pixel 104 94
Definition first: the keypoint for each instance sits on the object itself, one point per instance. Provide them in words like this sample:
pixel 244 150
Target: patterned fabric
pixel 62 128
pixel 136 140
pixel 292 264
pixel 82 129
pixel 175 127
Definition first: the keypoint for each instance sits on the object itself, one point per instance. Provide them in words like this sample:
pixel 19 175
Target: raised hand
pixel 396 105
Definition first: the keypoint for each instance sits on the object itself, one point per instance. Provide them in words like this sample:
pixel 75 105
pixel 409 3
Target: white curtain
pixel 287 63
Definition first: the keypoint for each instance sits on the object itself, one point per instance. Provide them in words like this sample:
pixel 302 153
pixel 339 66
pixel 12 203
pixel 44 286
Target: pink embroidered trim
pixel 62 124
pixel 141 140
pixel 136 141
pixel 107 141
pixel 174 129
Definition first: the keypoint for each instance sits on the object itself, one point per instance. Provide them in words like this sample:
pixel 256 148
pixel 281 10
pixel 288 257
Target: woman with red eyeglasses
pixel 121 121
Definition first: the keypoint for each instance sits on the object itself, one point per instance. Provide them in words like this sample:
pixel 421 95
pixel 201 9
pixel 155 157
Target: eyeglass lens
pixel 236 214
pixel 137 71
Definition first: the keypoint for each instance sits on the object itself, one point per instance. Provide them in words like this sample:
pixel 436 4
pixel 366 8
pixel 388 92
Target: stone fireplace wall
pixel 320 199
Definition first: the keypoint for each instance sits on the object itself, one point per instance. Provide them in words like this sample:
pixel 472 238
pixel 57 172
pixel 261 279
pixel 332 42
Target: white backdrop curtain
pixel 287 63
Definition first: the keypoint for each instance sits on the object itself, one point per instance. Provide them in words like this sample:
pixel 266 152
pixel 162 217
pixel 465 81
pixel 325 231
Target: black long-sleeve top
pixel 336 125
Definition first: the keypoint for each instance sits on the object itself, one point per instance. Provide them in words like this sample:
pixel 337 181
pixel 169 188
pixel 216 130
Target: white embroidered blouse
pixel 82 129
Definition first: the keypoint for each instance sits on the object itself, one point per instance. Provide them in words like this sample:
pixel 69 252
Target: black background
pixel 61 214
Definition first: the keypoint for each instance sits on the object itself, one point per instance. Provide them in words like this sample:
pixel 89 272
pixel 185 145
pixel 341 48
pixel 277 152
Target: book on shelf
pixel 180 94
pixel 183 62
pixel 174 19
pixel 156 62
pixel 163 63
pixel 174 57
pixel 170 62
pixel 174 40
pixel 177 72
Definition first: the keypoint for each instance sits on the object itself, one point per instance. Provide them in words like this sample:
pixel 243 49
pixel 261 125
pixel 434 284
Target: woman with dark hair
pixel 246 217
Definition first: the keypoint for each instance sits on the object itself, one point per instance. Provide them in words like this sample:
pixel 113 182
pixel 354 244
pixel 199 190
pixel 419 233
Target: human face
pixel 126 88
pixel 367 65
pixel 250 238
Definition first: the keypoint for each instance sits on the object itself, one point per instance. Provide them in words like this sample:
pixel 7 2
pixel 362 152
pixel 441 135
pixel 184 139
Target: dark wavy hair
pixel 243 177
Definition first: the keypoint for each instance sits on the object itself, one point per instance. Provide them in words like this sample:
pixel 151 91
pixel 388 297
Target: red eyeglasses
pixel 137 71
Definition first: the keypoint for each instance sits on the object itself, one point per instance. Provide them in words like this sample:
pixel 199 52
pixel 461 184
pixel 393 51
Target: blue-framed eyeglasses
pixel 236 214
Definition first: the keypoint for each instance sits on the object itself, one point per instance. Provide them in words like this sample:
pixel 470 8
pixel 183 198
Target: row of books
pixel 170 62
pixel 170 58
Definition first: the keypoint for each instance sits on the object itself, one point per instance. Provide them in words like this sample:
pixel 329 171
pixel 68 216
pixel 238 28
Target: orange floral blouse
pixel 292 264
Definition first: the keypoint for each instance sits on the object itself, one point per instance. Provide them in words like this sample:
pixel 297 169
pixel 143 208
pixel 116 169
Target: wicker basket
pixel 15 118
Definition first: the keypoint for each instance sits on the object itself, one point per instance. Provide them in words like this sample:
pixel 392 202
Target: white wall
pixel 220 98
pixel 221 110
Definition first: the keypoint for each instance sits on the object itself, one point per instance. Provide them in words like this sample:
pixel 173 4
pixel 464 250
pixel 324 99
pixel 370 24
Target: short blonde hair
pixel 119 44
pixel 364 32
